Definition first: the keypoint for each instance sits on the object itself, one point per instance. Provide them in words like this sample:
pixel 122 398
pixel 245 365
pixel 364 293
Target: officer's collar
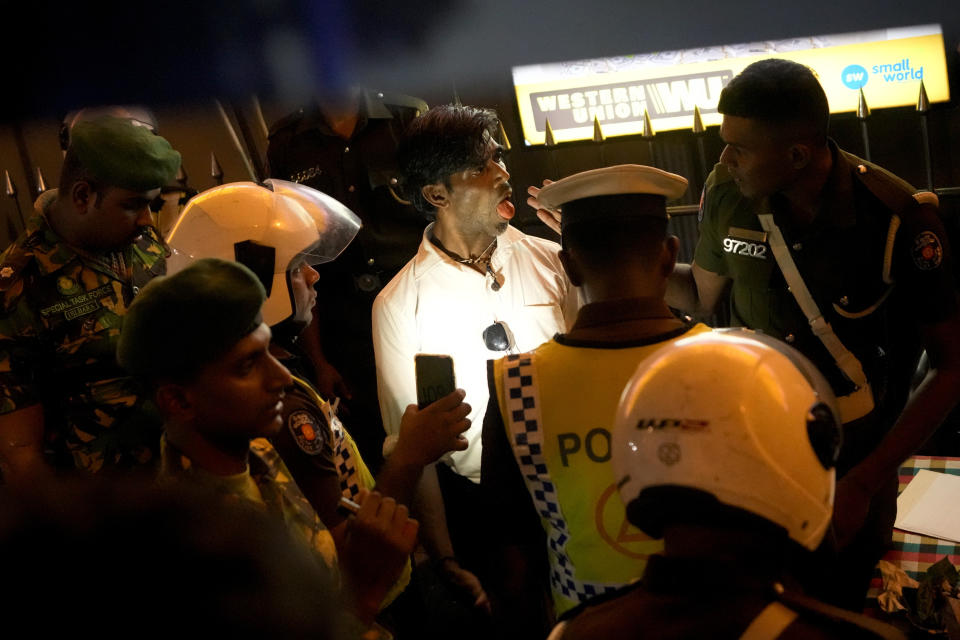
pixel 836 197
pixel 838 206
pixel 52 252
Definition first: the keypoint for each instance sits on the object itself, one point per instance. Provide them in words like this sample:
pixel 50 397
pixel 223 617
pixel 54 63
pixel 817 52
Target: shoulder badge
pixel 404 101
pixel 927 251
pixel 12 263
pixel 285 121
pixel 308 431
pixel 892 190
pixel 927 197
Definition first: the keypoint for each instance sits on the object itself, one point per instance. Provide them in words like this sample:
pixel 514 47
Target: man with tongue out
pixel 477 289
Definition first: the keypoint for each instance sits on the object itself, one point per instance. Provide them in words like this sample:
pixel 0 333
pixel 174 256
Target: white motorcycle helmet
pixel 271 228
pixel 729 417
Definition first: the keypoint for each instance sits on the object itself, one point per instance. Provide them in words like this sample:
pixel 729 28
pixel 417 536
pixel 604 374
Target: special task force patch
pixel 306 432
pixel 927 251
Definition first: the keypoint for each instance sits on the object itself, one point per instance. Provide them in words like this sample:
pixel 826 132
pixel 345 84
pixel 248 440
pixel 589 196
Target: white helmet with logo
pixel 732 418
pixel 271 228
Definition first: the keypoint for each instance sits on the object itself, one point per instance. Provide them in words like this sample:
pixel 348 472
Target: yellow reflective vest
pixel 558 404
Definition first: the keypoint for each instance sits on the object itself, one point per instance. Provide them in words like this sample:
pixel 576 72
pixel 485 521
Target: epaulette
pixel 286 121
pixel 892 190
pixel 404 101
pixel 12 263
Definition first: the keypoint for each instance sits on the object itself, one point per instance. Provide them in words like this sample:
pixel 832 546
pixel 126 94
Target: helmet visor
pixel 336 224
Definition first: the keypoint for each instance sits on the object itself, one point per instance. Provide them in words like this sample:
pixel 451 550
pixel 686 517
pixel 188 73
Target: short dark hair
pixel 779 92
pixel 73 172
pixel 615 243
pixel 443 141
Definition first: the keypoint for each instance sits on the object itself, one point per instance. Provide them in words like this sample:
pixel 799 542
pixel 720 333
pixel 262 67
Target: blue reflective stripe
pixel 523 408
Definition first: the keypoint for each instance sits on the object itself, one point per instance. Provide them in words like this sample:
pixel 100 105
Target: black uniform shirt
pixel 362 173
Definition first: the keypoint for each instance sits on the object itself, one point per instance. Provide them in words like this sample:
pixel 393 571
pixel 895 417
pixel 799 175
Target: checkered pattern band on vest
pixel 343 457
pixel 523 411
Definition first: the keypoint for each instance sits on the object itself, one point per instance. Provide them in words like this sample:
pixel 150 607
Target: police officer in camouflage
pixel 66 283
pixel 846 262
pixel 344 144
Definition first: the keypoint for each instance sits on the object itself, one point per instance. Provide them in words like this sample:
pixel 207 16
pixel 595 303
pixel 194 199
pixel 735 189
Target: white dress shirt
pixel 437 305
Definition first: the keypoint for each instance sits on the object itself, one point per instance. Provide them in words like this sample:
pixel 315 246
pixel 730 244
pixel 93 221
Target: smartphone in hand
pixel 434 377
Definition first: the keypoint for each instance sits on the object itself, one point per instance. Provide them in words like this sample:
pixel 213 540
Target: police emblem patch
pixel 306 432
pixel 927 251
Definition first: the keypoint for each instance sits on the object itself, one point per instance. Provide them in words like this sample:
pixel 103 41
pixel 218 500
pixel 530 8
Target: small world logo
pixel 900 71
pixel 854 76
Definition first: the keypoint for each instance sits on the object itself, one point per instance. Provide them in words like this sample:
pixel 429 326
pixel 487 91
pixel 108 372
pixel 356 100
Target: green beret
pixel 122 154
pixel 180 323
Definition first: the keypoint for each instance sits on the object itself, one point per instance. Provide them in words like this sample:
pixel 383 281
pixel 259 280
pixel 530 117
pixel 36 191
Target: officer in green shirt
pixel 65 284
pixel 848 264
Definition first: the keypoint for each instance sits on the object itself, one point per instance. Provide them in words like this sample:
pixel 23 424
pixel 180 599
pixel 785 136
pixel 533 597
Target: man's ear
pixel 82 196
pixel 668 257
pixel 571 267
pixel 435 194
pixel 174 402
pixel 800 155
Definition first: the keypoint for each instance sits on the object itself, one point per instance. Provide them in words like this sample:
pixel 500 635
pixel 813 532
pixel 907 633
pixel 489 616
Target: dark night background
pixel 179 56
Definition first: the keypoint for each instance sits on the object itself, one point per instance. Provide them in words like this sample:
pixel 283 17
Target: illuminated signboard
pixel 887 64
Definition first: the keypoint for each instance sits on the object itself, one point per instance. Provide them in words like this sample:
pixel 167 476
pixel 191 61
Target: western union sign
pixel 888 65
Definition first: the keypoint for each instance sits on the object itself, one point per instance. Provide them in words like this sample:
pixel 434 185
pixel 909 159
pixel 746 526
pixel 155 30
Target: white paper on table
pixel 929 505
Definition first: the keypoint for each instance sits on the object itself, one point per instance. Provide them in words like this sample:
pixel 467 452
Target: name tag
pixel 79 305
pixel 746 242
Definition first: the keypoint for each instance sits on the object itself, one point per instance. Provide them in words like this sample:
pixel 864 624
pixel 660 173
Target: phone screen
pixel 434 377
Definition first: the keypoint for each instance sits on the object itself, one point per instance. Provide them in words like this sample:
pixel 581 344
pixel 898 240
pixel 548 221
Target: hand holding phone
pixel 434 377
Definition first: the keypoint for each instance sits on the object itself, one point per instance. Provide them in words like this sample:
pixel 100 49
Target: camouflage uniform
pixel 59 324
pixel 267 483
pixel 316 444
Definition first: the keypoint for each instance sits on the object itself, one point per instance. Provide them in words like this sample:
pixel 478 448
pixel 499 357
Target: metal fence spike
pixel 548 139
pixel 504 140
pixel 41 183
pixel 863 111
pixel 648 132
pixel 923 103
pixel 597 131
pixel 216 171
pixel 697 120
